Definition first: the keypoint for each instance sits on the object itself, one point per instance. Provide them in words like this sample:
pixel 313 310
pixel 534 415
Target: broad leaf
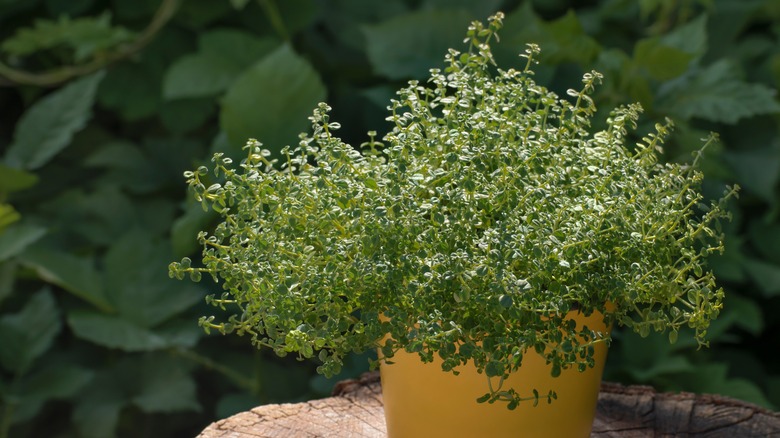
pixel 740 312
pixel 669 365
pixel 662 62
pixel 12 180
pixel 128 165
pixel 186 227
pixel 561 40
pixel 765 237
pixel 29 333
pixel 18 237
pixel 114 332
pixel 202 74
pixel 729 265
pixel 77 275
pixel 137 282
pixel 56 381
pixel 407 46
pixel 7 277
pixel 183 115
pixel 164 385
pixel 145 98
pixel 272 101
pixel 758 171
pixel 765 275
pixel 717 94
pixel 479 10
pixel 151 382
pixel 691 38
pixel 713 378
pixel 222 56
pixel 8 215
pixel 48 126
pixel 96 413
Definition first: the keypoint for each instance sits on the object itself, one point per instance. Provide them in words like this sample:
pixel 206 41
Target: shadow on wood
pixel 355 411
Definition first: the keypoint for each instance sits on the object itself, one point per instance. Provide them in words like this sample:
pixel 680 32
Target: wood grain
pixel 355 411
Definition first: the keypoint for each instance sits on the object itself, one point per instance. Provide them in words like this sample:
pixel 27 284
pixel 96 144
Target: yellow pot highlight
pixel 421 400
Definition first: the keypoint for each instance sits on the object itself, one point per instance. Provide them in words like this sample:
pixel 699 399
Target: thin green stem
pixel 10 76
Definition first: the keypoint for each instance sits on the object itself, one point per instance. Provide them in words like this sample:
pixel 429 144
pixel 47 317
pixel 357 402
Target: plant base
pixel 421 400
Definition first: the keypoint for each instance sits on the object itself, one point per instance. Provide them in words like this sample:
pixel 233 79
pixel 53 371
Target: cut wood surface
pixel 355 411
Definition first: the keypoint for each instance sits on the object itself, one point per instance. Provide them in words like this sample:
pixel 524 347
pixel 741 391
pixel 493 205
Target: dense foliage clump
pixel 488 213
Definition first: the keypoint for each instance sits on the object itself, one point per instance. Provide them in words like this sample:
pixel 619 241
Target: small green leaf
pixel 494 369
pixel 48 126
pixel 29 333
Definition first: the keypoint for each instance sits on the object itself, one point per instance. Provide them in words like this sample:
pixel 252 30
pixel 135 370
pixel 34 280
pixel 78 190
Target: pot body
pixel 421 400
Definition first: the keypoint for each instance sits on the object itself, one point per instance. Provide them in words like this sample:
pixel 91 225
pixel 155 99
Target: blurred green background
pixel 104 103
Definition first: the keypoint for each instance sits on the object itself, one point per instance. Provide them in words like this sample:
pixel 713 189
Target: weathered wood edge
pixel 355 410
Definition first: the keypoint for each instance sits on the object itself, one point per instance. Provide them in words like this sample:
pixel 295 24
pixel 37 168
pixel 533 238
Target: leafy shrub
pixel 90 179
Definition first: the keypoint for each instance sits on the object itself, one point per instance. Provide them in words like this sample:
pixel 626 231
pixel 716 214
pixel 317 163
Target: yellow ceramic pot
pixel 421 400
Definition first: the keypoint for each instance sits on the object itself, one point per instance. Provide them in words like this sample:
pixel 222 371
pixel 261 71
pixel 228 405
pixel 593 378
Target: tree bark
pixel 355 411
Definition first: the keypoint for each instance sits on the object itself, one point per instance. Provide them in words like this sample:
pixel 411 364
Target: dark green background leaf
pixel 408 45
pixel 716 93
pixel 29 333
pixel 48 126
pixel 271 101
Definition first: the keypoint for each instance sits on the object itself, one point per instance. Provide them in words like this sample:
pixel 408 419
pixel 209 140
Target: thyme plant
pixel 487 214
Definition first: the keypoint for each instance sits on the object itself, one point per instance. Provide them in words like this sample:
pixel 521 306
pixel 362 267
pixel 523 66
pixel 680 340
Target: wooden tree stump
pixel 355 411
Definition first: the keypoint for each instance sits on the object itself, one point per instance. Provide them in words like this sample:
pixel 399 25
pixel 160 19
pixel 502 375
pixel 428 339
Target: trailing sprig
pixel 486 215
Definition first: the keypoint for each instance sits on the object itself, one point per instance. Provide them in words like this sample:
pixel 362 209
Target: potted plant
pixel 491 231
